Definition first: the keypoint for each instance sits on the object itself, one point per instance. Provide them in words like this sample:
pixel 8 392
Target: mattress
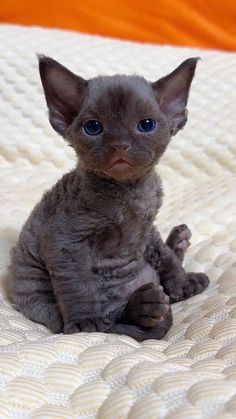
pixel 191 373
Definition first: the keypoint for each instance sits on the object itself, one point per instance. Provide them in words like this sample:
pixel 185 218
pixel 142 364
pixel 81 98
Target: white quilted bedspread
pixel 192 372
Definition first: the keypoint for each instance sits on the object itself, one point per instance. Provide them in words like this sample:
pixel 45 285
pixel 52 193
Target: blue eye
pixel 93 127
pixel 147 125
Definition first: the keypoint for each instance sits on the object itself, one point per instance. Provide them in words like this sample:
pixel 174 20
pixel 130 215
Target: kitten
pixel 89 257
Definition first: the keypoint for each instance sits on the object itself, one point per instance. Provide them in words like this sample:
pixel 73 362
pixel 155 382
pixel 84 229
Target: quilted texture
pixel 192 372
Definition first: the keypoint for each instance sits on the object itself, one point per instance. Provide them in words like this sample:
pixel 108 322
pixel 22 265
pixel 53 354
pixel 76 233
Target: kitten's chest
pixel 114 221
pixel 126 221
pixel 140 204
pixel 137 210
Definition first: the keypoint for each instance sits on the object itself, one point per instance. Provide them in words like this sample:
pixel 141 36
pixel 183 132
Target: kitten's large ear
pixel 63 92
pixel 172 93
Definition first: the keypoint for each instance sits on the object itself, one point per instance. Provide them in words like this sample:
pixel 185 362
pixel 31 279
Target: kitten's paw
pixel 87 326
pixel 195 284
pixel 179 239
pixel 176 295
pixel 148 306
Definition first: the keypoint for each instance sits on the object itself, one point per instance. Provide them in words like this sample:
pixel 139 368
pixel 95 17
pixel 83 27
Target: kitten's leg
pixel 142 333
pixel 179 240
pixel 30 291
pixel 177 284
pixel 75 286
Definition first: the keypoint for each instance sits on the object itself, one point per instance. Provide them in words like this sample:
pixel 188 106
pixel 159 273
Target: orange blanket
pixel 200 23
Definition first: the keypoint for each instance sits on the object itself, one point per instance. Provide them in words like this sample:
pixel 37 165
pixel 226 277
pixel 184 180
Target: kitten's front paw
pixel 148 305
pixel 88 326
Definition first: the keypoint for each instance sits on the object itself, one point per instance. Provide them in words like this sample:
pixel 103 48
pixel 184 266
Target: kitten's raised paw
pixel 179 239
pixel 148 306
pixel 195 284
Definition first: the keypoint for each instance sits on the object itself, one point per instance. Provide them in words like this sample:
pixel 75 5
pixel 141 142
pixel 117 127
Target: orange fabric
pixel 200 23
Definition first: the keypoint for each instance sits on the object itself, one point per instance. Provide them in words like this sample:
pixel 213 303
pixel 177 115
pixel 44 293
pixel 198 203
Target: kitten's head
pixel 118 125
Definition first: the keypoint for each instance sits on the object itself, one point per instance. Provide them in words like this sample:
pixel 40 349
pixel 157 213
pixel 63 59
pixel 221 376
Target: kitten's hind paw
pixel 148 306
pixel 179 240
pixel 195 284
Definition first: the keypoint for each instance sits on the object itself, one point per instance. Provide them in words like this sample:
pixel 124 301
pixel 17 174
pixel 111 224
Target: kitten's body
pixel 72 223
pixel 89 257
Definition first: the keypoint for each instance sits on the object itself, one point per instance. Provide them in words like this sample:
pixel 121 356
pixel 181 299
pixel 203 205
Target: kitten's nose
pixel 120 146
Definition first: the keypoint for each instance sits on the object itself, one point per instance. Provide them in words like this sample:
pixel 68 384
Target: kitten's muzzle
pixel 120 157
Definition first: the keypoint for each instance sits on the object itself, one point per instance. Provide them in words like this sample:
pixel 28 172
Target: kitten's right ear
pixel 63 91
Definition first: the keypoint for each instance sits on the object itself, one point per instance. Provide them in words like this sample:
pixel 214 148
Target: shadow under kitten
pixel 89 257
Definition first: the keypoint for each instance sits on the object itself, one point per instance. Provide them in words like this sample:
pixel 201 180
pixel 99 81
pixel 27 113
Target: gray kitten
pixel 89 257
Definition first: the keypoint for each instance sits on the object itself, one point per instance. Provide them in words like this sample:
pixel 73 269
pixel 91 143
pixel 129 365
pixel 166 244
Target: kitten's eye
pixel 147 125
pixel 93 127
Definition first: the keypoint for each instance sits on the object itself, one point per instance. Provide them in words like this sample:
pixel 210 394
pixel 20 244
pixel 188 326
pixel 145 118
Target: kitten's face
pixel 118 125
pixel 120 130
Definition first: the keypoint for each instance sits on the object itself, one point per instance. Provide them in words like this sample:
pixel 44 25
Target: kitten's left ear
pixel 172 93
